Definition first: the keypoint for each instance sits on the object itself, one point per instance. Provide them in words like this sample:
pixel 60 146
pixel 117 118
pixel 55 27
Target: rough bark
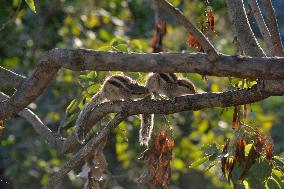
pixel 262 26
pixel 84 151
pixel 243 30
pixel 82 59
pixel 273 28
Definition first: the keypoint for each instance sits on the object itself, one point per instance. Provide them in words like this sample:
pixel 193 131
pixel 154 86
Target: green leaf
pixel 90 76
pixel 178 164
pixel 277 173
pixel 105 48
pixel 104 35
pixel 93 88
pixel 260 170
pixel 246 184
pixel 272 184
pixel 212 164
pixel 200 161
pixel 247 149
pixel 237 171
pixel 138 45
pixel 117 40
pixel 31 4
pixel 72 106
pixel 278 176
pixel 211 149
pixel 120 48
pixel 279 161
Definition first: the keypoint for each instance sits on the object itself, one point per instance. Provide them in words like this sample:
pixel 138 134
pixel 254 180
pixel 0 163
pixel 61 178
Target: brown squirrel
pixel 165 84
pixel 116 87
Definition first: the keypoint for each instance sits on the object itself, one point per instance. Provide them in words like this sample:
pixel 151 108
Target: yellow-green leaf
pixel 31 4
pixel 200 161
pixel 247 149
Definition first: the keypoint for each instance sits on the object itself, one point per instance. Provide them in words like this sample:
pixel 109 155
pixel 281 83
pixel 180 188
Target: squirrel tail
pixel 146 127
pixel 84 114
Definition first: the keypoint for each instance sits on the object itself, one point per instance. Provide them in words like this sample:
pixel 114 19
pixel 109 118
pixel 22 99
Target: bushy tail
pixel 84 114
pixel 146 128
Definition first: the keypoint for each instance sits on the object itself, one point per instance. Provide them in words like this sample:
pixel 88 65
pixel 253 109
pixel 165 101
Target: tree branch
pixel 178 15
pixel 8 77
pixel 243 30
pixel 236 66
pixel 30 89
pixel 277 47
pixel 82 59
pixel 38 126
pixel 261 25
pixel 256 93
pixel 83 152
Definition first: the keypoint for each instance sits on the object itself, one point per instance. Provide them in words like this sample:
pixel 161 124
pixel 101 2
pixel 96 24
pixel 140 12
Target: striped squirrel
pixel 166 84
pixel 116 87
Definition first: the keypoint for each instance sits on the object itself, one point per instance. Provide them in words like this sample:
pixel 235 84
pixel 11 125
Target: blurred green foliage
pixel 26 160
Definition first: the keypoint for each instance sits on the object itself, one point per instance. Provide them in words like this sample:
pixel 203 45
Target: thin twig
pixel 38 126
pixel 261 25
pixel 178 15
pixel 13 18
pixel 83 152
pixel 157 12
pixel 277 47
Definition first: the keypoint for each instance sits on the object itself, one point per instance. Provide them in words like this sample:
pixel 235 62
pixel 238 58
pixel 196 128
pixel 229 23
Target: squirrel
pixel 166 84
pixel 116 87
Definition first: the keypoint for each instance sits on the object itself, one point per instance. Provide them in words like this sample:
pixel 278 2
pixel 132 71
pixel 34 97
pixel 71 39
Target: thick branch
pixel 83 152
pixel 185 103
pixel 30 89
pixel 236 66
pixel 177 14
pixel 244 32
pixel 38 126
pixel 82 59
pixel 261 25
pixel 277 47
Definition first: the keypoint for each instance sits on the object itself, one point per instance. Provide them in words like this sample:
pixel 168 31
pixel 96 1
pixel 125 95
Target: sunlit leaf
pixel 105 48
pixel 212 164
pixel 272 184
pixel 72 106
pixel 93 88
pixel 104 35
pixel 178 164
pixel 90 76
pixel 279 161
pixel 200 161
pixel 120 48
pixel 31 4
pixel 278 174
pixel 247 149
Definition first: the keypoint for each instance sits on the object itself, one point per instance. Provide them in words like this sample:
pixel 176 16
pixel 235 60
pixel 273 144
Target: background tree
pixel 27 160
